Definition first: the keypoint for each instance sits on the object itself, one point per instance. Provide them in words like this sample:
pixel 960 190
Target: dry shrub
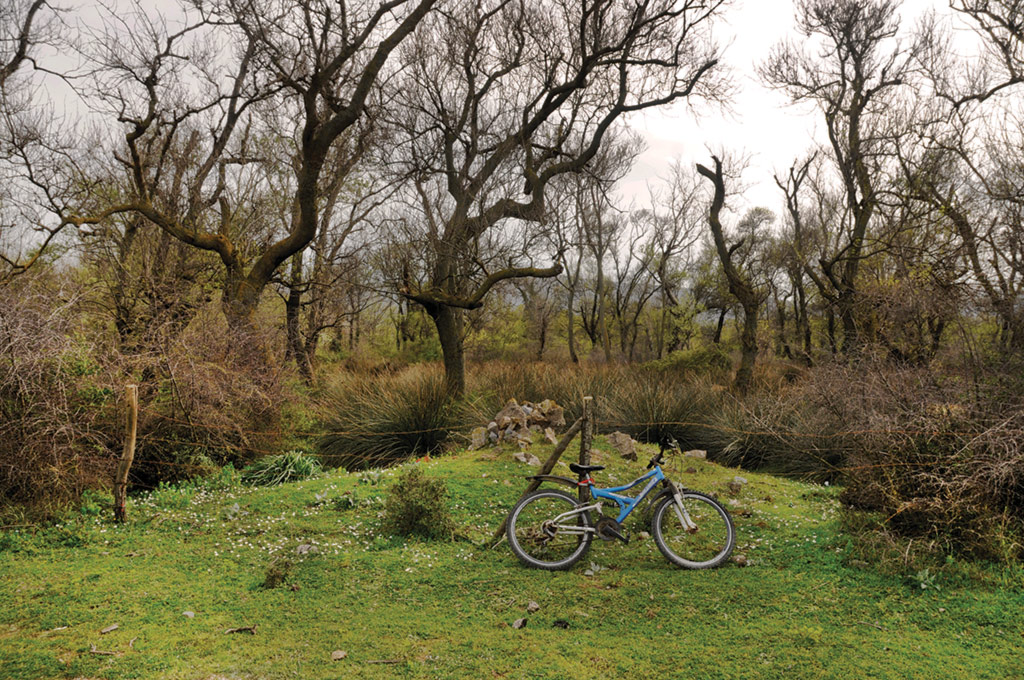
pixel 939 459
pixel 374 421
pixel 212 397
pixel 58 425
pixel 777 431
pixel 650 405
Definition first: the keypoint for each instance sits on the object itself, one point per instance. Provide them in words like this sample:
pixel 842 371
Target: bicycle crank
pixel 608 528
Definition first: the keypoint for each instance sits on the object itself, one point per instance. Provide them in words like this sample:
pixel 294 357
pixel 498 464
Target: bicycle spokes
pixel 694 531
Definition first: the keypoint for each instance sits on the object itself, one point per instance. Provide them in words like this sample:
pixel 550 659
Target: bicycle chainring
pixel 603 526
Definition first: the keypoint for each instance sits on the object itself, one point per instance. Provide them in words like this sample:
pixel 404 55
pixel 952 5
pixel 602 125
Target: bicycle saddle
pixel 584 469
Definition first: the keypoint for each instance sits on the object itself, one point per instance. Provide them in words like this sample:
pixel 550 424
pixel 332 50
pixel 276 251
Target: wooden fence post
pixel 548 466
pixel 586 439
pixel 121 478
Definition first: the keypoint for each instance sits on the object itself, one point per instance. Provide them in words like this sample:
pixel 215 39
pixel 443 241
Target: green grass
pixel 804 608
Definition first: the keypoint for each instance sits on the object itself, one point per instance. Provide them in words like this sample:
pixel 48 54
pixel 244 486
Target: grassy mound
pixel 193 562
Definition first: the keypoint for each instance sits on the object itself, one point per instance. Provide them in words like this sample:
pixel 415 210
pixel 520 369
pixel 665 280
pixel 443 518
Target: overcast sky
pixel 761 124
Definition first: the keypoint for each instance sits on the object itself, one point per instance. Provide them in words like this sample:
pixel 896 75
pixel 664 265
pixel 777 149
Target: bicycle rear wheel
pixel 541 542
pixel 698 536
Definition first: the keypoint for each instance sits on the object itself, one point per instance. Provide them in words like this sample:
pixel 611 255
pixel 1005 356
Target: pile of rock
pixel 516 423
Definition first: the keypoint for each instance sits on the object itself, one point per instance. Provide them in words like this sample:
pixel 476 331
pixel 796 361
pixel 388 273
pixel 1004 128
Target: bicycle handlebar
pixel 667 442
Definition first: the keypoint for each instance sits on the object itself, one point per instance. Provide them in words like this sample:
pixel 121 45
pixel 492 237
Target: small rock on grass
pixel 189 615
pixel 740 560
pixel 624 444
pixel 519 623
pixel 532 607
pixel 527 458
pixel 338 655
pixel 109 629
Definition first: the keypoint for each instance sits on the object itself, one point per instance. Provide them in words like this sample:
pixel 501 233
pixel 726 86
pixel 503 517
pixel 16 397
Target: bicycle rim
pixel 537 541
pixel 702 539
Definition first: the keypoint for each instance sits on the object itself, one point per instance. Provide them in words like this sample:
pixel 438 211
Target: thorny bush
pixel 57 398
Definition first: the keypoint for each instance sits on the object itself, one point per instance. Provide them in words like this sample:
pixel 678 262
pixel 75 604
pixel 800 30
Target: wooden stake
pixel 586 439
pixel 128 455
pixel 546 468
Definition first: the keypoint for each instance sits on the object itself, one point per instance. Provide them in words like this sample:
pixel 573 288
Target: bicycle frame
pixel 626 503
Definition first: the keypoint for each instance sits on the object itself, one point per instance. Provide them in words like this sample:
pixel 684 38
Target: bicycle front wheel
pixel 698 535
pixel 545 531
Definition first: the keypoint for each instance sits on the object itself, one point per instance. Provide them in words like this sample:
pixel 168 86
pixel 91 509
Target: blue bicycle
pixel 551 529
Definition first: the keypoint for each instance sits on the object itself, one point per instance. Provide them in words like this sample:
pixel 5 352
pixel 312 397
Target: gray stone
pixel 549 436
pixel 477 438
pixel 555 415
pixel 697 453
pixel 527 458
pixel 511 416
pixel 624 444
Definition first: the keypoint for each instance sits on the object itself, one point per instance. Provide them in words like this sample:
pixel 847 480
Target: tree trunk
pixel 296 349
pixel 721 322
pixel 542 340
pixel 602 317
pixel 847 316
pixel 748 347
pixel 830 319
pixel 780 311
pixel 449 321
pixel 239 301
pixel 570 331
pixel 803 320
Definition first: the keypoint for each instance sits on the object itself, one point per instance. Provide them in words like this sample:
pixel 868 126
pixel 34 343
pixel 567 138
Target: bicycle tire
pixel 707 545
pixel 533 547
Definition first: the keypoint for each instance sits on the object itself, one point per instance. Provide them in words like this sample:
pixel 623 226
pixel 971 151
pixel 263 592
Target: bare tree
pixel 502 97
pixel 313 65
pixel 795 255
pixel 633 287
pixel 19 35
pixel 27 226
pixel 673 230
pixel 859 69
pixel 740 284
pixel 1001 26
